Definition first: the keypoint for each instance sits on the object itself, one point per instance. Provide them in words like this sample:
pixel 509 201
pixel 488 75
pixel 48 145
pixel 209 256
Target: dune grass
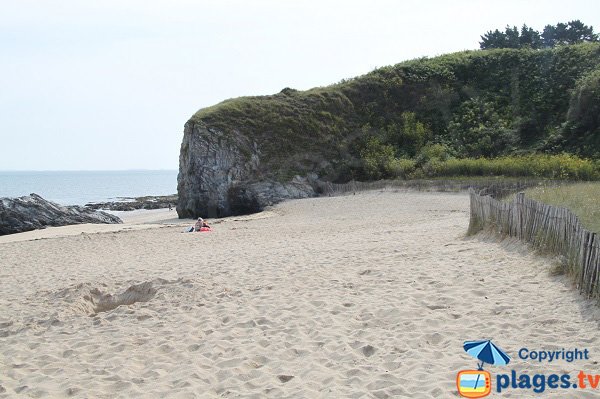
pixel 581 198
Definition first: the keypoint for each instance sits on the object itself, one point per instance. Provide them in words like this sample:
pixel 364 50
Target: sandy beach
pixel 361 296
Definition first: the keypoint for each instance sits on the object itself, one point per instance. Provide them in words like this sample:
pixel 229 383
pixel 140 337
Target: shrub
pixel 401 167
pixel 477 129
pixel 409 135
pixel 562 166
pixel 376 158
pixel 432 152
pixel 582 130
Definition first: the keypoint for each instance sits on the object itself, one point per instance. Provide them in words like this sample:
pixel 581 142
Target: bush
pixel 376 159
pixel 401 167
pixel 478 129
pixel 432 152
pixel 563 166
pixel 409 135
pixel 582 130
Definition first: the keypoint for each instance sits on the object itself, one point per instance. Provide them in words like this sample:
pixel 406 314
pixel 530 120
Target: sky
pixel 109 84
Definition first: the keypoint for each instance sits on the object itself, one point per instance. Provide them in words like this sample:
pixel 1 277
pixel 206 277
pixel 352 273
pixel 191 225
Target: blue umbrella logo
pixel 487 352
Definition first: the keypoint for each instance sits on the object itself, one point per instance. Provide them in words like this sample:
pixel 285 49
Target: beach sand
pixel 362 296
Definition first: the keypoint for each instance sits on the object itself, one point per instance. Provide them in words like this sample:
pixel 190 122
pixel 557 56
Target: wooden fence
pixel 551 229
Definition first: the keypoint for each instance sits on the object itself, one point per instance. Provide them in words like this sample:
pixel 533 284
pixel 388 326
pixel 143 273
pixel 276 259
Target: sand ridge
pixel 361 296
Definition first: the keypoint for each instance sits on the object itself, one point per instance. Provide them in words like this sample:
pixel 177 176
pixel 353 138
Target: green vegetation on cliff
pixel 514 112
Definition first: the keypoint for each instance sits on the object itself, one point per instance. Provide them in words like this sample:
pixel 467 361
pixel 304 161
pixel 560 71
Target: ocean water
pixel 81 187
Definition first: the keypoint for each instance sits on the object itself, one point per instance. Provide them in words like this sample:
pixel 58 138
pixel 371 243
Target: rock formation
pixel 32 212
pixel 220 175
pixel 131 204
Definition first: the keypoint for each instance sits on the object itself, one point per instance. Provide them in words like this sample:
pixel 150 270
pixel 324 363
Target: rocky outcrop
pixel 244 198
pixel 32 212
pixel 131 204
pixel 220 175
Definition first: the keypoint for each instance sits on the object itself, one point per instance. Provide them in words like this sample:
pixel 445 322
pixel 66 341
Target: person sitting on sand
pixel 200 224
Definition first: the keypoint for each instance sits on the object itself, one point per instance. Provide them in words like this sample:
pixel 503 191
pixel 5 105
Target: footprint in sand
pixel 368 350
pixel 435 307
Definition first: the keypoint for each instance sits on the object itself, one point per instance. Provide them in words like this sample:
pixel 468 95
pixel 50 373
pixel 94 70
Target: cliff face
pixel 219 175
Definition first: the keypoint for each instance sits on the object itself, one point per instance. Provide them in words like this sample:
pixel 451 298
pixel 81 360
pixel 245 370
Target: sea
pixel 82 187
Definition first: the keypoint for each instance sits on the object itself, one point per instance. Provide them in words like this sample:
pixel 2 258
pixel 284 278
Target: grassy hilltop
pixel 519 112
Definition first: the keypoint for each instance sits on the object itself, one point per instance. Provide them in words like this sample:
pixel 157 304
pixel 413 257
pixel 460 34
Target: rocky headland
pixel 132 204
pixel 32 212
pixel 424 118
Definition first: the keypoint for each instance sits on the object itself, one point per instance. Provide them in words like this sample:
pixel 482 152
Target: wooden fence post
pixel 553 229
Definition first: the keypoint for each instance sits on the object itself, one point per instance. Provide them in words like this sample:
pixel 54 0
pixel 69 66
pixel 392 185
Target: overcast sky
pixel 109 84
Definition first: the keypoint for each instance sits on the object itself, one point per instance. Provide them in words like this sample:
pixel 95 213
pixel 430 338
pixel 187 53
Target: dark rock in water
pixel 32 212
pixel 131 204
pixel 220 175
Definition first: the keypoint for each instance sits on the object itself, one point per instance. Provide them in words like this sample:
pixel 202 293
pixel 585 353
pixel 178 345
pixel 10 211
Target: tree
pixel 529 38
pixel 512 37
pixel 553 35
pixel 508 39
pixel 578 32
pixel 549 36
pixel 572 32
pixel 495 39
pixel 560 34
